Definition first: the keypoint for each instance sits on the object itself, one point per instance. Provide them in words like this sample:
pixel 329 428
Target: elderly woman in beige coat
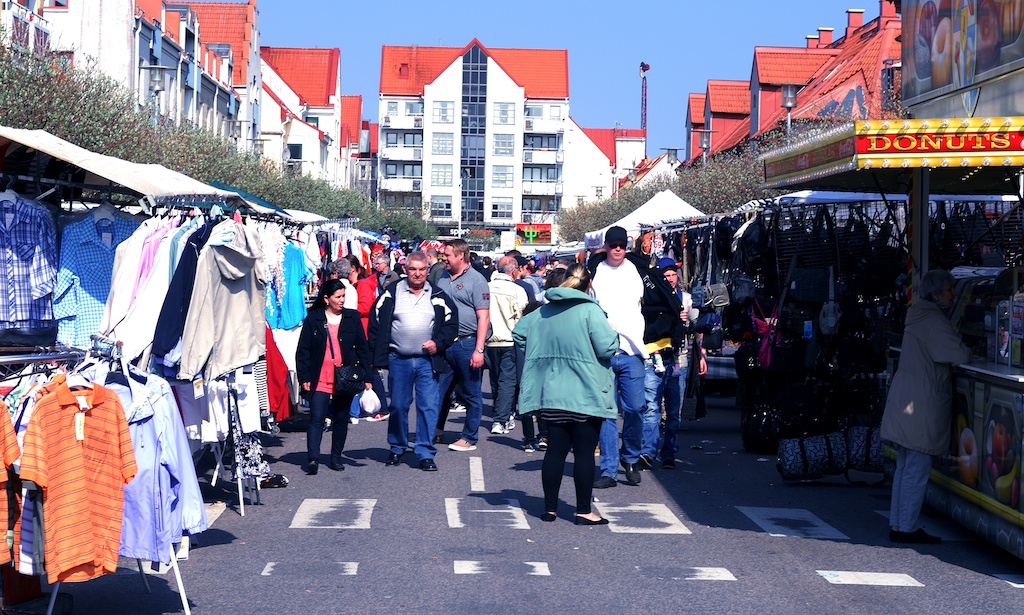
pixel 918 411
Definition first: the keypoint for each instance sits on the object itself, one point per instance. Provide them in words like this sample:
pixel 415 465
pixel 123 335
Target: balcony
pixel 402 152
pixel 544 125
pixel 402 122
pixel 543 156
pixel 542 188
pixel 401 184
pixel 24 28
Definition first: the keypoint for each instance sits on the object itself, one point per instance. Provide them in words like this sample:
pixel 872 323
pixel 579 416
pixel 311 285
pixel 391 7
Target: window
pixel 414 108
pixel 391 139
pixel 473 146
pixel 391 170
pixel 440 207
pixel 443 144
pixel 411 202
pixel 440 175
pixel 501 176
pixel 392 107
pixel 534 205
pixel 472 209
pixel 549 142
pixel 414 170
pixel 554 112
pixel 532 174
pixel 504 113
pixel 390 200
pixel 444 112
pixel 534 111
pixel 503 145
pixel 413 139
pixel 313 121
pixel 501 207
pixel 294 152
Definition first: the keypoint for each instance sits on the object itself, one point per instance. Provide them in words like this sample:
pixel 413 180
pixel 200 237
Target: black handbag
pixel 348 379
pixel 741 288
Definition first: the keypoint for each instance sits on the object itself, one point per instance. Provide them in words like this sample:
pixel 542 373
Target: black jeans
pixel 581 438
pixel 320 404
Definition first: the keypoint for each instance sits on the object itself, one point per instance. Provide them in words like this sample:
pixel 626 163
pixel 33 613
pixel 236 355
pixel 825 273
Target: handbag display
pixel 864 448
pixel 811 457
pixel 810 285
pixel 741 288
pixel 348 379
pixel 716 295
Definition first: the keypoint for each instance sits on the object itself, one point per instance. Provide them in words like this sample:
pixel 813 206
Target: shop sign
pixel 931 143
pixel 528 234
pixel 803 162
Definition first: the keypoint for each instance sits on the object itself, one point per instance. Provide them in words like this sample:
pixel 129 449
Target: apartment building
pixel 480 138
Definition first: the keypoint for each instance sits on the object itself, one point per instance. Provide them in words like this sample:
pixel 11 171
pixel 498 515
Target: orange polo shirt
pixel 82 465
pixel 9 453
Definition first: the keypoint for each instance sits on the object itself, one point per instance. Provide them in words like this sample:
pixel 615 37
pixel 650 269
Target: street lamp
pixel 788 103
pixel 156 83
pixel 704 135
pixel 673 154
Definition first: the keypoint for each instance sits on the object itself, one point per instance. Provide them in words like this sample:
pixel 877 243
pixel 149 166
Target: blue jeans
pixel 629 393
pixel 650 416
pixel 502 368
pixel 909 485
pixel 405 374
pixel 467 385
pixel 319 405
pixel 673 387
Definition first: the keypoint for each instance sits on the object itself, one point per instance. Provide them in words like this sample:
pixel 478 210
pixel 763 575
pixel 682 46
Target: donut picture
pixel 964 24
pixel 927 19
pixel 942 54
pixel 989 36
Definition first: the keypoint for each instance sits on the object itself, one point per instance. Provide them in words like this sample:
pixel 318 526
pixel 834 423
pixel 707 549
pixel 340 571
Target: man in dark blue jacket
pixel 411 326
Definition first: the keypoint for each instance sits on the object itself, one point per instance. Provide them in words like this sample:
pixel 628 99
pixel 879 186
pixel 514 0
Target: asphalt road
pixel 719 534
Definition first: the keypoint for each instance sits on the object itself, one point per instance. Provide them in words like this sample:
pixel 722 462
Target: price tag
pixel 197 388
pixel 80 426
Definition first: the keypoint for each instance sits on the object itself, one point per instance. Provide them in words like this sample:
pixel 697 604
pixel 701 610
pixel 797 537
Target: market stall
pixel 978 482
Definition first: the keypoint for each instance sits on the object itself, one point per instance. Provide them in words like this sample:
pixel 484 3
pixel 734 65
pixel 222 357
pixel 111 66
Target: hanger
pixel 104 211
pixel 8 194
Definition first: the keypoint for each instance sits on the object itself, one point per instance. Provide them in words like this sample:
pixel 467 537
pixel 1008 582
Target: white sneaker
pixel 461 445
pixel 377 417
pixel 497 427
pixel 510 425
pixel 354 420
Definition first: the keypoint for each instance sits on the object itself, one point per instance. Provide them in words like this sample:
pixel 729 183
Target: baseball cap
pixel 521 261
pixel 615 233
pixel 667 263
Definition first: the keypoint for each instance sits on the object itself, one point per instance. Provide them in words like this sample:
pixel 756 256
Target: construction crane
pixel 644 67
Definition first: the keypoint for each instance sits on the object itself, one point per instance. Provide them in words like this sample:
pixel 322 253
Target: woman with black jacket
pixel 315 363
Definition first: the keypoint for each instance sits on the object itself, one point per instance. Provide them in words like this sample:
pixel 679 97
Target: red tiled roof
pixel 646 166
pixel 784 65
pixel 696 104
pixel 374 129
pixel 351 118
pixel 604 138
pixel 310 73
pixel 231 23
pixel 729 96
pixel 543 73
pixel 150 9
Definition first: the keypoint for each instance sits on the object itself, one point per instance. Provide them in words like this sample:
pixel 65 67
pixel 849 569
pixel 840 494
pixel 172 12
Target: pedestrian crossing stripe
pixel 342 514
pixel 641 519
pixel 702 573
pixel 347 568
pixel 510 516
pixel 795 522
pixel 885 579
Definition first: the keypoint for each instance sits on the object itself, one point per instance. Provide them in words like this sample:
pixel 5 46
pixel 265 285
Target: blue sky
pixel 686 42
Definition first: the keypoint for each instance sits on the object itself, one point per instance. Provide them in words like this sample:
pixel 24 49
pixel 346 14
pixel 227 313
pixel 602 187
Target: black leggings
pixel 581 438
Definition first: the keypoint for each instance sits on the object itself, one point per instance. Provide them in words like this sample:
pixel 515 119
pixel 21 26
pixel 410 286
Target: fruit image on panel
pixel 964 446
pixel 1001 447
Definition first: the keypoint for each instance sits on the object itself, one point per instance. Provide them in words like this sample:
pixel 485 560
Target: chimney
pixel 812 41
pixel 886 8
pixel 825 37
pixel 854 20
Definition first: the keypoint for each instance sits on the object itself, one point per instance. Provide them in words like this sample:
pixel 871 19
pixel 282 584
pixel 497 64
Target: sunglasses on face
pixel 620 245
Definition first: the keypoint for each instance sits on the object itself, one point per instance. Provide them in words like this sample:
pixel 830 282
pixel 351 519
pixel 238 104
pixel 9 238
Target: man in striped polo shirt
pixel 411 326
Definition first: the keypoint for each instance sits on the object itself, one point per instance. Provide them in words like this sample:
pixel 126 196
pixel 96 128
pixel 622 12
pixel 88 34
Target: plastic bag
pixel 369 403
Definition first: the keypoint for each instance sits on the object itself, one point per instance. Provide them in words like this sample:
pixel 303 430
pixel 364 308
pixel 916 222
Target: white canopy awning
pixel 662 207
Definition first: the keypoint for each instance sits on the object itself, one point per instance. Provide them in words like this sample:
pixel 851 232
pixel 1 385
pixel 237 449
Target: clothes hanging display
pixel 28 270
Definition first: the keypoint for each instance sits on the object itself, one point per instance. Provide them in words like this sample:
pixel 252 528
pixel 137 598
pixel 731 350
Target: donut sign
pixel 952 46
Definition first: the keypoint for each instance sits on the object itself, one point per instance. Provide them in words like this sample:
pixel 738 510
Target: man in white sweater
pixel 619 289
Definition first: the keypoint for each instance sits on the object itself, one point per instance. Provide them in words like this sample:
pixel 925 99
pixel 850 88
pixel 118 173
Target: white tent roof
pixel 146 179
pixel 663 207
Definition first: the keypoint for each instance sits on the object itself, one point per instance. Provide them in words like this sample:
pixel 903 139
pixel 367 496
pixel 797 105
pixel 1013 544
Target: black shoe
pixel 336 466
pixel 312 466
pixel 584 521
pixel 439 439
pixel 548 517
pixel 428 465
pixel 917 537
pixel 632 472
pixel 645 463
pixel 605 482
pixel 393 459
pixel 668 464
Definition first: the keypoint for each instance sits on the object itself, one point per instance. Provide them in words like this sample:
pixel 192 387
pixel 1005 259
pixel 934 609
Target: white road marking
pixel 654 519
pixel 345 514
pixel 886 579
pixel 795 522
pixel 213 511
pixel 516 518
pixel 349 569
pixel 476 474
pixel 538 569
pixel 1016 580
pixel 701 573
pixel 269 568
pixel 469 567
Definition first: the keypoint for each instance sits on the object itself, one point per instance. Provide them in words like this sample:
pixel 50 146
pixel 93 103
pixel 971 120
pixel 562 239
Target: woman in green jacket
pixel 567 377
